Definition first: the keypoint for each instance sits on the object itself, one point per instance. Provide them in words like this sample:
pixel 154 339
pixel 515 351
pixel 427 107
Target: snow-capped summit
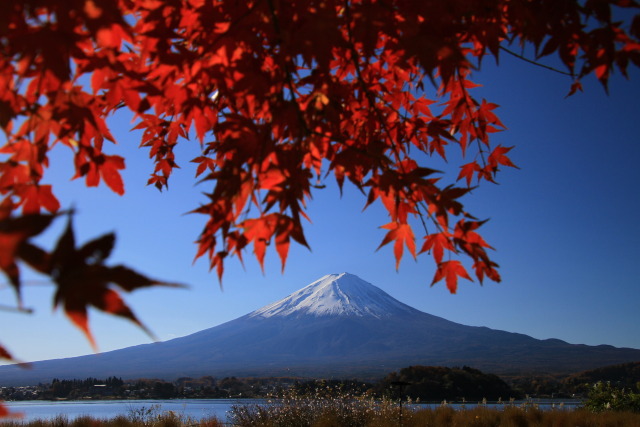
pixel 336 294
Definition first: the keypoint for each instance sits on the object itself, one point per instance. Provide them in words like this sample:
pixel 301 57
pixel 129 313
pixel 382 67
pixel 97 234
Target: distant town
pixel 116 388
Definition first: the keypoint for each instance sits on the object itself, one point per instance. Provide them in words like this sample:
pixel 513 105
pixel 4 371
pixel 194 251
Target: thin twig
pixel 13 309
pixel 510 52
pixel 27 283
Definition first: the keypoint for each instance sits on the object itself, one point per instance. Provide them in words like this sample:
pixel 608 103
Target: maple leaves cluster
pixel 280 95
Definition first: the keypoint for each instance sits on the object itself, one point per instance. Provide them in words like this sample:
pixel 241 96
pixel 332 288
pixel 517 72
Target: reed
pixel 448 417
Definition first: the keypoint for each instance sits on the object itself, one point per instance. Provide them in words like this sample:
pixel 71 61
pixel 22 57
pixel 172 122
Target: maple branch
pixel 363 85
pixel 421 216
pixel 418 204
pixel 525 59
pixel 372 100
pixel 470 113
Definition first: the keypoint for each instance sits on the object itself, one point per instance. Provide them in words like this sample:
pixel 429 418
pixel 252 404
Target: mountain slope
pixel 338 326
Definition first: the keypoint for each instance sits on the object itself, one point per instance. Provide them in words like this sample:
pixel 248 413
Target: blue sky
pixel 565 226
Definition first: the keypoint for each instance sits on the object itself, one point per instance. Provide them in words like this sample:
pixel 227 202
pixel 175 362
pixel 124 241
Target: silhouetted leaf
pixel 83 281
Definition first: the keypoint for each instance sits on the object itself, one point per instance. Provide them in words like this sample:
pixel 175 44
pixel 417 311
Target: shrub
pixel 319 408
pixel 605 397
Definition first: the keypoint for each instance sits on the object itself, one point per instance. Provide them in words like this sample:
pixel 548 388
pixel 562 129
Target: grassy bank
pixel 355 414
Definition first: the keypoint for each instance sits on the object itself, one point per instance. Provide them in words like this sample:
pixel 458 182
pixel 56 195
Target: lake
pixel 196 409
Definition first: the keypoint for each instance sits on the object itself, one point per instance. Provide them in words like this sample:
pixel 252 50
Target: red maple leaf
pixel 450 270
pixel 402 235
pixel 437 242
pixel 468 170
pixel 498 157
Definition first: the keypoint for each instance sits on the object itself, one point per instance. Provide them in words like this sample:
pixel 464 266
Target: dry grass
pixel 354 412
pixel 519 417
pixel 164 420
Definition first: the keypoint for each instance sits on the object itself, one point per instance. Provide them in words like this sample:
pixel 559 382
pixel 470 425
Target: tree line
pixel 621 376
pixel 424 383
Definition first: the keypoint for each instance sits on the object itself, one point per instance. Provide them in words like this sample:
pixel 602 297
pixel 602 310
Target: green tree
pixel 605 397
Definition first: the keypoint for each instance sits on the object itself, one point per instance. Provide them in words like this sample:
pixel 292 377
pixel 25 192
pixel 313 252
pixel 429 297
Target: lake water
pixel 196 409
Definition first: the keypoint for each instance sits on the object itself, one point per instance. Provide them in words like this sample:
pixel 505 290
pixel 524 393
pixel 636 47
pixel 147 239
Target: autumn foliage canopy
pixel 280 95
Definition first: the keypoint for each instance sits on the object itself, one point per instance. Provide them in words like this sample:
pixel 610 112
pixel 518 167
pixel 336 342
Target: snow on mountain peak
pixel 336 294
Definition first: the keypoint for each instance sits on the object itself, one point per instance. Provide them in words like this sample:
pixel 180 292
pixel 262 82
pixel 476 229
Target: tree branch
pixel 510 52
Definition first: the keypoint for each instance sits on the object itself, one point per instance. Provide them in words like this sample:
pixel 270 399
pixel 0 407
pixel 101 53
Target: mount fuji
pixel 338 326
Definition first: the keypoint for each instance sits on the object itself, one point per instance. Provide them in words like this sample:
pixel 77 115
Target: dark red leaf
pixel 83 281
pixel 14 232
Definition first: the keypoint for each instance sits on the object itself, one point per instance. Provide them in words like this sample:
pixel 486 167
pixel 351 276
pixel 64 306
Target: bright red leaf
pixel 438 243
pixel 401 235
pixel 450 271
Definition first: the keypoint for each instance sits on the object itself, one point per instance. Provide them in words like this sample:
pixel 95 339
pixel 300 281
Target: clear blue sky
pixel 566 228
